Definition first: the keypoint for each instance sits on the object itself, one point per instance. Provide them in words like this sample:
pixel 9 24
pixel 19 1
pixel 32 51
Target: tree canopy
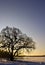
pixel 14 40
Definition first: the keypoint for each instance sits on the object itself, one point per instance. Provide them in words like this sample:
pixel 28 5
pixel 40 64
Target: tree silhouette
pixel 14 40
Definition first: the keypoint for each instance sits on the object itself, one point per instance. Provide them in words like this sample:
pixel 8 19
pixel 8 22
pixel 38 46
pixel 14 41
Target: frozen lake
pixel 33 59
pixel 27 61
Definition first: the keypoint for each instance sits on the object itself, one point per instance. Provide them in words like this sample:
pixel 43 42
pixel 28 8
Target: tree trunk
pixel 11 54
pixel 11 57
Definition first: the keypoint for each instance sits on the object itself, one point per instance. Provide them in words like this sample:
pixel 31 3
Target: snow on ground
pixel 5 62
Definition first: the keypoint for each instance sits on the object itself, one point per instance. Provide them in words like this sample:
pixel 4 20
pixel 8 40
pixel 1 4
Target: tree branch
pixel 20 47
pixel 9 38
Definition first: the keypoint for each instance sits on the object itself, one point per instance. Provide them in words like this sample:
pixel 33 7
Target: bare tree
pixel 14 40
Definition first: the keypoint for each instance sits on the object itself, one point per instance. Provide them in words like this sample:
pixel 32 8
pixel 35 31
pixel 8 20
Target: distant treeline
pixel 32 56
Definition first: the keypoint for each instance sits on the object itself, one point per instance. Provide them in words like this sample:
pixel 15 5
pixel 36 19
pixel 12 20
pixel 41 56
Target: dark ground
pixel 23 63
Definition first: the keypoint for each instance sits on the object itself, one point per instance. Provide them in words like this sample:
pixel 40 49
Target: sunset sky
pixel 28 16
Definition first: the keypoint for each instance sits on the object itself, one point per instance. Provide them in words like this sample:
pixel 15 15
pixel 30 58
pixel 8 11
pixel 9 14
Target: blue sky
pixel 28 16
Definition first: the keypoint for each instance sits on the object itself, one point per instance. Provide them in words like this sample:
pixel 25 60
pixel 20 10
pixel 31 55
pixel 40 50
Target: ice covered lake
pixel 26 61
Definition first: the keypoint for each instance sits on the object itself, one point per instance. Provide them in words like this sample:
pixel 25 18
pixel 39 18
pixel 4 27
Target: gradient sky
pixel 28 16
